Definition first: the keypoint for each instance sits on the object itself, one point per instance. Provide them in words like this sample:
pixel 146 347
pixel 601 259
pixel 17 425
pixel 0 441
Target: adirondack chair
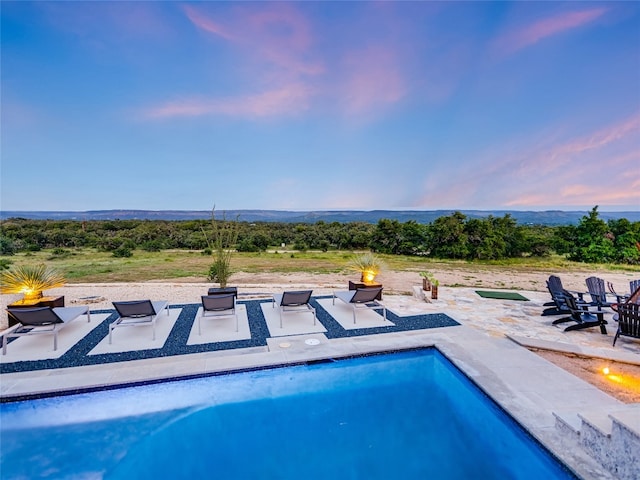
pixel 585 316
pixel 598 293
pixel 633 286
pixel 558 305
pixel 628 320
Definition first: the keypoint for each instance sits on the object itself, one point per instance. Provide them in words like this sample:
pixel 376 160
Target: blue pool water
pixel 403 415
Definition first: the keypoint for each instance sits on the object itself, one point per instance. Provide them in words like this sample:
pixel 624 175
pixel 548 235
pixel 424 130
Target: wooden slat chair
pixel 558 306
pixel 633 298
pixel 596 287
pixel 633 286
pixel 628 321
pixel 583 314
pixel 556 290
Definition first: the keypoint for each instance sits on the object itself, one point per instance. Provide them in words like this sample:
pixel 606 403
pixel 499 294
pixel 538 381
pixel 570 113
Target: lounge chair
pixel 293 301
pixel 138 312
pixel 42 321
pixel 362 298
pixel 218 306
pixel 583 314
pixel 628 320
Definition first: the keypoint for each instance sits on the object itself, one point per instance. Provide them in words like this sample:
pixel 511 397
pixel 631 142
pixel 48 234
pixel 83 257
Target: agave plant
pixel 367 264
pixel 30 280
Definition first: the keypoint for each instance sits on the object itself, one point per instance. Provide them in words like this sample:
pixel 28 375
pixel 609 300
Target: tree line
pixel 453 236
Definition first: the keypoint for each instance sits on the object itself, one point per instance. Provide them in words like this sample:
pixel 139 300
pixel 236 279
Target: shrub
pixel 122 252
pixel 152 246
pixel 247 245
pixel 300 246
pixel 7 246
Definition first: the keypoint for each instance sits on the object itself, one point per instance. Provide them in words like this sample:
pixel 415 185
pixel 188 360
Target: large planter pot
pixel 426 284
pixel 434 292
pixel 223 291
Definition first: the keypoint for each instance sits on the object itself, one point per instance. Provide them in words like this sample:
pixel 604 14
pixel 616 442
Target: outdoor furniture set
pixel 590 313
pixel 217 303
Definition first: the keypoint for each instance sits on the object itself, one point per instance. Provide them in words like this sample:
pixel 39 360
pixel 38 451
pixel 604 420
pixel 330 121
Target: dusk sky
pixel 320 105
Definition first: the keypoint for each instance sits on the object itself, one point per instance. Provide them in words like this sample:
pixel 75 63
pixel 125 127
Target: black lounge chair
pixel 293 301
pixel 583 314
pixel 362 298
pixel 138 312
pixel 42 321
pixel 628 320
pixel 218 305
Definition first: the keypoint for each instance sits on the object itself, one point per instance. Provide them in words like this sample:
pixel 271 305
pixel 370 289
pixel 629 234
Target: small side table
pixel 356 285
pixel 39 302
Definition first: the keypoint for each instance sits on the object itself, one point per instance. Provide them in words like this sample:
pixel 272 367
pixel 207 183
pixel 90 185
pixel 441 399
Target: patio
pixel 483 337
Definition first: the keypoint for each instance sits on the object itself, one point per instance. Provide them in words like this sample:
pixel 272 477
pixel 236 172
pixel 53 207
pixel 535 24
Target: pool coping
pixel 523 384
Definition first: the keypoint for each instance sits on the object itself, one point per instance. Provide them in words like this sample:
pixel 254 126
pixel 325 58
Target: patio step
pixel 568 423
pixel 610 436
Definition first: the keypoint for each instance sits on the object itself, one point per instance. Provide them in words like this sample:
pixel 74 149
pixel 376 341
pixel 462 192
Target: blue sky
pixel 320 105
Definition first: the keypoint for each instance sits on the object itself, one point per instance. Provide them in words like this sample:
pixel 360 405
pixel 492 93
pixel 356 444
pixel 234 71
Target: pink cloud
pixel 275 46
pixel 275 34
pixel 579 196
pixel 600 168
pixel 556 156
pixel 533 33
pixel 206 24
pixel 288 100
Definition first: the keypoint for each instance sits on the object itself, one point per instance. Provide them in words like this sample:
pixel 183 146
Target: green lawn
pixel 89 265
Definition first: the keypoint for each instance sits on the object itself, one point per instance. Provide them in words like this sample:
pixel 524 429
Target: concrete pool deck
pixel 486 346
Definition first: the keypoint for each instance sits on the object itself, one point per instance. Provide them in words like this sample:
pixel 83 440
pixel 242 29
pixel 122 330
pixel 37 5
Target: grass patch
pixel 88 265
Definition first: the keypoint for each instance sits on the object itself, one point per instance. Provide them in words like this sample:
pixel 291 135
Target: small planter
pixel 434 292
pixel 426 284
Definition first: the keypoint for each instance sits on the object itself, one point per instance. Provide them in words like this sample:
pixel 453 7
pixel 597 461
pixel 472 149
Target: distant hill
pixel 549 217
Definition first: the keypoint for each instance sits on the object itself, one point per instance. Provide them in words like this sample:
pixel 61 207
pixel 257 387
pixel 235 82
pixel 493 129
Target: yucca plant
pixel 224 236
pixel 367 264
pixel 30 280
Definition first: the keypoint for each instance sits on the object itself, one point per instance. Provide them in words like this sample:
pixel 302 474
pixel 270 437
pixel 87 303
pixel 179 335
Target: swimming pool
pixel 402 415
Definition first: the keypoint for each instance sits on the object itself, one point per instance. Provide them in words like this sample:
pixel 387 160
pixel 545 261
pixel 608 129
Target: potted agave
pixel 30 280
pixel 368 265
